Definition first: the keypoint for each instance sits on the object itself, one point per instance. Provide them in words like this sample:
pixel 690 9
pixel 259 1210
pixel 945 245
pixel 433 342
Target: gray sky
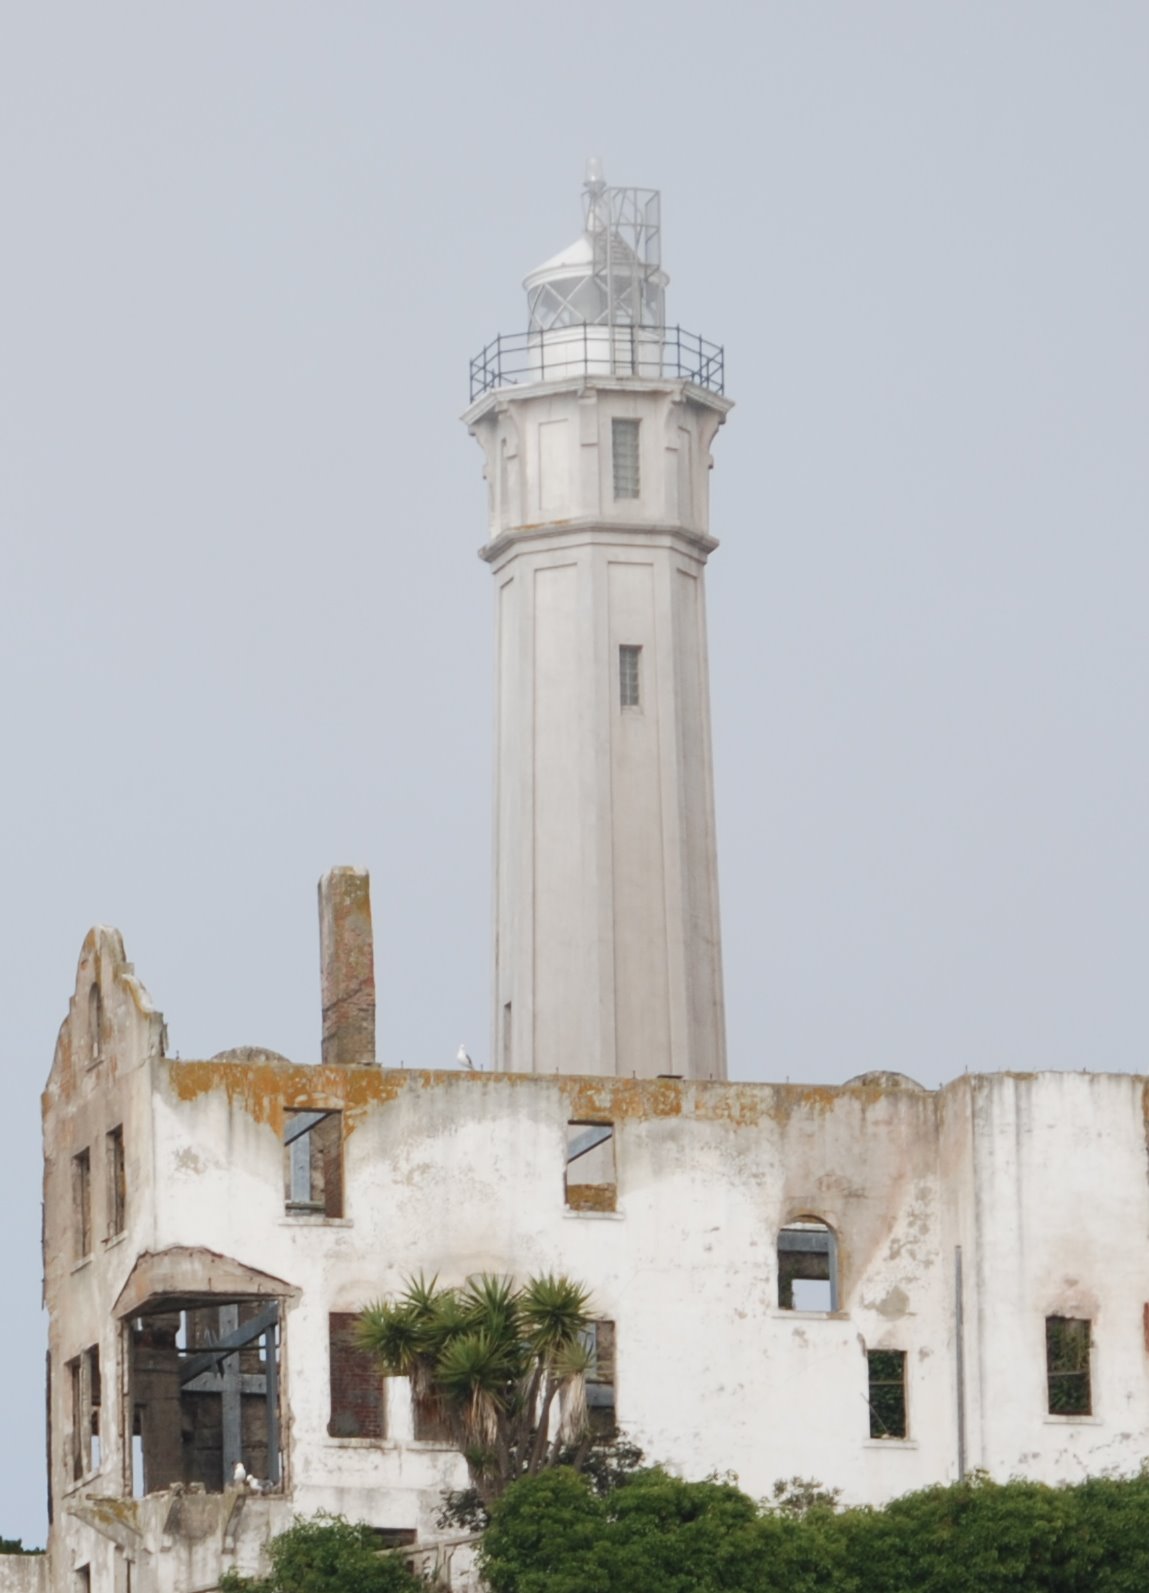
pixel 247 252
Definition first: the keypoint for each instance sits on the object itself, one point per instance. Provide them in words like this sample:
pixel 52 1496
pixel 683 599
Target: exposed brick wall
pixel 357 1409
pixel 347 967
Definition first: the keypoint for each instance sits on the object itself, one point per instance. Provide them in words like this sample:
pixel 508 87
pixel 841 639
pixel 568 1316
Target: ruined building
pixel 877 1285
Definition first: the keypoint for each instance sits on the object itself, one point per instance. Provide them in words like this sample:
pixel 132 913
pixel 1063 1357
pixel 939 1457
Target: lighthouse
pixel 596 425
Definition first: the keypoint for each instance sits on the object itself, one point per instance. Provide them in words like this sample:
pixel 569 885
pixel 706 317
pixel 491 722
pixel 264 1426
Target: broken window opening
pixel 598 1337
pixel 313 1163
pixel 82 1579
pixel 84 1416
pixel 82 1203
pixel 807 1266
pixel 117 1185
pixel 590 1181
pixel 887 1396
pixel 357 1388
pixel 205 1394
pixel 394 1537
pixel 1067 1354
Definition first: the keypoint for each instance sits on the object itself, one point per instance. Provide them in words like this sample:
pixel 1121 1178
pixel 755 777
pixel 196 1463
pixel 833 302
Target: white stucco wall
pixel 454 1174
pixel 23 1573
pixel 607 944
pixel 1041 1181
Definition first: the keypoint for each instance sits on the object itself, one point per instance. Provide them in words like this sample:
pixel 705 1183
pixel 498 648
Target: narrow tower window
pixel 82 1204
pixel 624 438
pixel 887 1393
pixel 628 683
pixel 117 1183
pixel 1067 1366
pixel 95 1025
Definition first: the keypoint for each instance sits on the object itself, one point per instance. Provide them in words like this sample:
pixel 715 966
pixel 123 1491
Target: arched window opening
pixel 807 1266
pixel 95 1024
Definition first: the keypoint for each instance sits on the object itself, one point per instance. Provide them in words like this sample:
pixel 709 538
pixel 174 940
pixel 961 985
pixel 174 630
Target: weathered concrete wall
pixel 23 1573
pixel 1040 1181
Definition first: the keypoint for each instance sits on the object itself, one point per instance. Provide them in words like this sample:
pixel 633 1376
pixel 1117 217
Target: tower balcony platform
pixel 587 349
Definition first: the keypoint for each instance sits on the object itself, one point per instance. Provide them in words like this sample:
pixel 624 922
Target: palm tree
pixel 504 1366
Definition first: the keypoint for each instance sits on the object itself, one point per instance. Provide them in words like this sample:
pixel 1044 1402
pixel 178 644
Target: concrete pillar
pixel 347 964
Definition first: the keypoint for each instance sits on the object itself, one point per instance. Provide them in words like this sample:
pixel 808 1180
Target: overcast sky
pixel 248 249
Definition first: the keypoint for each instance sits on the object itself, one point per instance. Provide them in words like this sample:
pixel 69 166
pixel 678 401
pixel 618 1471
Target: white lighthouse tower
pixel 596 424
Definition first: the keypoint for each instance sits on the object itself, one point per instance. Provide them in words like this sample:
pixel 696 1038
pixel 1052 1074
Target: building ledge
pixel 779 1315
pixel 308 1220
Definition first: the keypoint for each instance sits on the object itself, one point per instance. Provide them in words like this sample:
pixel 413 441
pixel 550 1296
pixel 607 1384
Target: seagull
pixel 239 1473
pixel 256 1485
pixel 464 1060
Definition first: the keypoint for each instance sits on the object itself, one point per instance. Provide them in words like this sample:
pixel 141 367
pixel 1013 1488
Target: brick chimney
pixel 347 966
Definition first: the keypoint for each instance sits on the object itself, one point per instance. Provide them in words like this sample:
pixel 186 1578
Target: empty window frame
pixel 598 1337
pixel 807 1266
pixel 357 1405
pixel 590 1182
pixel 204 1391
pixel 629 679
pixel 84 1416
pixel 625 456
pixel 116 1183
pixel 1067 1347
pixel 887 1393
pixel 82 1203
pixel 313 1163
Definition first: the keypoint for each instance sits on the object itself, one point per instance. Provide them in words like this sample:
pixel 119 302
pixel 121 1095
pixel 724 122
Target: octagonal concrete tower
pixel 596 424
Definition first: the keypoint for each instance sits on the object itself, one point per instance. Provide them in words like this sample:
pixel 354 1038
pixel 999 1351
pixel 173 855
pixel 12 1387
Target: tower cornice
pixel 586 529
pixel 678 389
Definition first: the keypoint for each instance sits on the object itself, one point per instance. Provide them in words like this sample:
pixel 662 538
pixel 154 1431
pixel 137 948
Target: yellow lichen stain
pixel 267 1088
pixel 120 1511
pixel 591 1197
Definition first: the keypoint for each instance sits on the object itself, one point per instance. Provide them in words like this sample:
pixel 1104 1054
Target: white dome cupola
pixel 611 275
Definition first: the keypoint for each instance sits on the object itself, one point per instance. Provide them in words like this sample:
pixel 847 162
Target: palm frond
pixel 491 1302
pixel 555 1310
pixel 391 1333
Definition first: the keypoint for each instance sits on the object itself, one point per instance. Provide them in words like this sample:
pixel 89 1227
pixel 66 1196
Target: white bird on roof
pixel 239 1472
pixel 464 1060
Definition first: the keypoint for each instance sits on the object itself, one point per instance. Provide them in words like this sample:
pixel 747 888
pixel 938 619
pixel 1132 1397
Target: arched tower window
pixel 95 1024
pixel 807 1266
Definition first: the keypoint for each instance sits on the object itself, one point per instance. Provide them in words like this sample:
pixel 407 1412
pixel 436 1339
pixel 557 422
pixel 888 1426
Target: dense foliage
pixel 555 1534
pixel 16 1546
pixel 501 1367
pixel 327 1554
